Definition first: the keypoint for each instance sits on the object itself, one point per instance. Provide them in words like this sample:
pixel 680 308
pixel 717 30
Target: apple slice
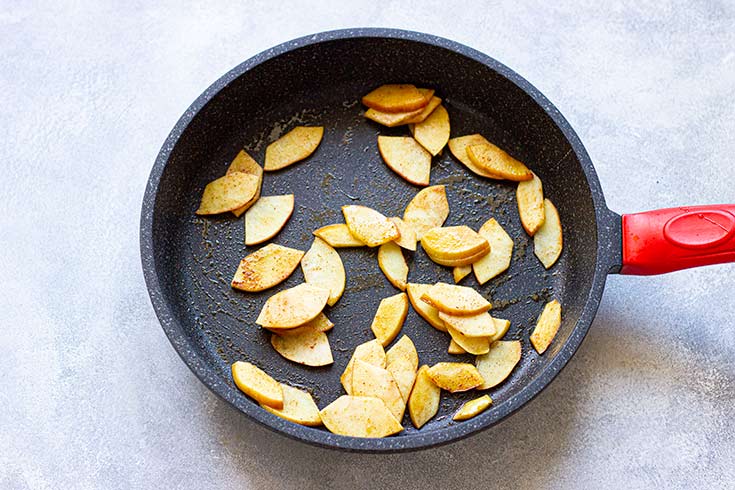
pixel 455 376
pixel 396 98
pixel 406 157
pixel 472 345
pixel 298 407
pixel 428 209
pixel 501 328
pixel 423 403
pixel 392 119
pixel 461 271
pixel 498 162
pixel 265 268
pixel 267 217
pixel 455 348
pixel 407 239
pixel 530 197
pixel 498 363
pixel 458 146
pixel 320 323
pixel 256 383
pixel 228 193
pixel 393 264
pixel 454 245
pixel 546 327
pixel 323 267
pixel 370 380
pixel 481 325
pixel 425 310
pixel 372 352
pixel 473 408
pixel 548 241
pixel 359 416
pixel 292 147
pixel 404 349
pixel 426 111
pixel 501 252
pixel 293 307
pixel 389 318
pixel 309 347
pixel 455 300
pixel 369 226
pixel 246 164
pixel 338 235
pixel 433 133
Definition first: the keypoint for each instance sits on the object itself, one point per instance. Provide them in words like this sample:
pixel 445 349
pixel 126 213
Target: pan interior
pixel 321 85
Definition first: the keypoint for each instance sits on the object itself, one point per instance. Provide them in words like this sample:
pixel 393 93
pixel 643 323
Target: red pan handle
pixel 668 240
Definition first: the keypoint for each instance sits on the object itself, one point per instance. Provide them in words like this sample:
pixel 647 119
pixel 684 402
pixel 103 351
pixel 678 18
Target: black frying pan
pixel 318 80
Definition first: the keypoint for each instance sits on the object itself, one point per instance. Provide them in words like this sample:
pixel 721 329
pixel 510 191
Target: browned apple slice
pixel 496 161
pixel 455 348
pixel 546 327
pixel 455 300
pixel 292 147
pixel 480 325
pixel 406 157
pixel 548 241
pixel 371 380
pixel 267 217
pixel 426 111
pixel 338 235
pixel 530 197
pixel 455 376
pixel 246 164
pixel 396 98
pixel 433 132
pixel 369 226
pixel 257 384
pixel 228 193
pixel 454 245
pixel 293 307
pixel 407 239
pixel 425 310
pixel 372 352
pixel 472 345
pixel 458 146
pixel 501 252
pixel 498 363
pixel 460 272
pixel 322 267
pixel 309 347
pixel 473 408
pixel 423 403
pixel 298 407
pixel 428 209
pixel 393 264
pixel 359 416
pixel 389 318
pixel 265 268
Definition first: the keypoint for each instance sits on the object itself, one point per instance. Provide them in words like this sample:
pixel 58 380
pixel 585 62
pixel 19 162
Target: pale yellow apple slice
pixel 407 239
pixel 498 363
pixel 425 310
pixel 530 197
pixel 359 416
pixel 433 132
pixel 496 161
pixel 426 111
pixel 309 347
pixel 473 408
pixel 369 226
pixel 267 217
pixel 455 300
pixel 471 345
pixel 501 252
pixel 458 146
pixel 389 318
pixel 293 307
pixel 323 267
pixel 404 349
pixel 370 380
pixel 423 402
pixel 393 264
pixel 546 327
pixel 501 328
pixel 428 209
pixel 455 376
pixel 246 164
pixel 265 268
pixel 396 98
pixel 460 272
pixel 228 193
pixel 298 407
pixel 455 348
pixel 392 119
pixel 406 157
pixel 338 236
pixel 292 147
pixel 453 245
pixel 548 241
pixel 372 352
pixel 320 323
pixel 257 384
pixel 480 325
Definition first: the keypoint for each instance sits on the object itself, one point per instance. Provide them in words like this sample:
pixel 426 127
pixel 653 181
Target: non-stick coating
pixel 190 260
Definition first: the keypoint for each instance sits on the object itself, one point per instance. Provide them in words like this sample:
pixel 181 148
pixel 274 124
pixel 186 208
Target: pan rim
pixel 322 438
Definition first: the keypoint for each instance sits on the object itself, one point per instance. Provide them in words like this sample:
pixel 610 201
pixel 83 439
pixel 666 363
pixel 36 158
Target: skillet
pixel 317 80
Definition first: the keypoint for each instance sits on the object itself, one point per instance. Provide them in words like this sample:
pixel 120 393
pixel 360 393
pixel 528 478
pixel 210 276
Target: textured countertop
pixel 93 396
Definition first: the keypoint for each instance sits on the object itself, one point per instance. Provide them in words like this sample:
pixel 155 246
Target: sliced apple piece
pixel 455 300
pixel 293 307
pixel 338 235
pixel 246 164
pixel 404 349
pixel 406 157
pixel 458 146
pixel 455 376
pixel 453 245
pixel 480 325
pixel 407 239
pixel 392 119
pixel 371 352
pixel 393 264
pixel 496 161
pixel 298 407
pixel 322 267
pixel 321 323
pixel 389 318
pixel 267 217
pixel 548 241
pixel 501 328
pixel 396 98
pixel 265 268
pixel 257 384
pixel 433 132
pixel 498 363
pixel 292 147
pixel 471 345
pixel 370 380
pixel 423 402
pixel 425 310
pixel 455 348
pixel 228 193
pixel 460 272
pixel 530 197
pixel 359 416
pixel 546 327
pixel 473 408
pixel 501 252
pixel 426 111
pixel 369 226
pixel 428 209
pixel 309 347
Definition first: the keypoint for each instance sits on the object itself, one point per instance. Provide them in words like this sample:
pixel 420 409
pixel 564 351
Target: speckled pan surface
pixel 188 261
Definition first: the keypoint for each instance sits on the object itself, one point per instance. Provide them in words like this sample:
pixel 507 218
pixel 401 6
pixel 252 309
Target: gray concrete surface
pixel 93 396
